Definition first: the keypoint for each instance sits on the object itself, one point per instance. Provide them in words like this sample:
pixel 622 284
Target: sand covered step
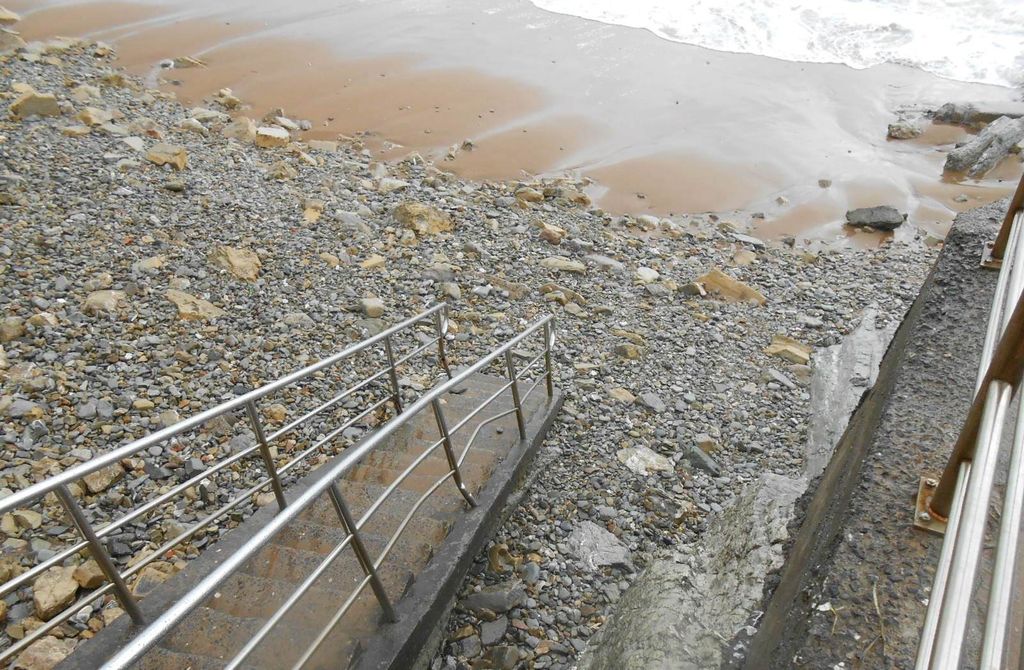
pixel 164 659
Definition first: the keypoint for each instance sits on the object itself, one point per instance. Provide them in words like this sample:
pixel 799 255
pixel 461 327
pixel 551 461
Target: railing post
pixel 449 452
pixel 99 552
pixel 268 460
pixel 441 324
pixel 520 421
pixel 549 342
pixel 361 554
pixel 393 374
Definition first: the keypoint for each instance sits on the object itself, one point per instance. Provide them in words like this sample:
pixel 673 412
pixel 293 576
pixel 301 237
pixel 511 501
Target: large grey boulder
pixel 675 614
pixel 882 217
pixel 987 148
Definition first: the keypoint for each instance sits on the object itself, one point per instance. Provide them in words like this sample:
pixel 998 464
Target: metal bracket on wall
pixel 923 518
pixel 988 261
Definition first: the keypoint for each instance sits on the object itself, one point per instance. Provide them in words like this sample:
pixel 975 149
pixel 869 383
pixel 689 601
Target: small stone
pixel 492 632
pixel 44 654
pixel 422 219
pixel 242 128
pixel 7 17
pixel 143 404
pixel 653 402
pixel 27 518
pixel 629 351
pixel 497 598
pixel 269 137
pixel 373 262
pixel 372 307
pixel 390 185
pixel 92 116
pixel 330 259
pixel 789 349
pixel 241 263
pixel 191 308
pixel 643 460
pixel 106 301
pixel 101 480
pixel 550 233
pixel 597 548
pixel 168 154
pixel 904 130
pixel 276 412
pixel 622 395
pixel 89 575
pixel 11 328
pixel 724 287
pixel 53 591
pixel 561 264
pixel 329 146
pixel 33 103
pixel 647 275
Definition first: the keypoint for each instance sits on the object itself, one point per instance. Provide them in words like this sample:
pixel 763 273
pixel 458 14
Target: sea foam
pixel 968 40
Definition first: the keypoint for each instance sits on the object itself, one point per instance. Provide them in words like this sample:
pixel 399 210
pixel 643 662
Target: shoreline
pixel 733 163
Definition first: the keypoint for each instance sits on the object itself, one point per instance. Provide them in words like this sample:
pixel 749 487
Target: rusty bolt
pixel 924 516
pixel 931 483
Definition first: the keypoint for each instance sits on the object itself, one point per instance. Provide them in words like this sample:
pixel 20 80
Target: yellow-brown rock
pixel 422 219
pixel 168 154
pixel 720 285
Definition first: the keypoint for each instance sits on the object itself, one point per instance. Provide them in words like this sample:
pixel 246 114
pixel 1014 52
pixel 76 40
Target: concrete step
pixel 165 659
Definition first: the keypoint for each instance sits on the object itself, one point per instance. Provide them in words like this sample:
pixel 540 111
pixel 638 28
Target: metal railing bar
pixel 55 621
pixel 324 407
pixel 265 456
pixel 479 408
pixel 287 605
pixel 1000 594
pixel 362 555
pixel 333 434
pixel 449 452
pixel 938 591
pixel 105 530
pixel 970 533
pixel 480 426
pixel 416 351
pixel 1016 204
pixel 99 554
pixel 393 486
pixel 995 315
pixel 376 566
pixel 147 637
pixel 25 496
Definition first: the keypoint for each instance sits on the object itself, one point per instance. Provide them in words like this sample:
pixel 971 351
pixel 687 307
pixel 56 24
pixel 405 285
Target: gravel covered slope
pixel 646 361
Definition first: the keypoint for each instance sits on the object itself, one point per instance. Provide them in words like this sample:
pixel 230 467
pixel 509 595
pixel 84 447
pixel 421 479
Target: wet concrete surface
pixel 856 585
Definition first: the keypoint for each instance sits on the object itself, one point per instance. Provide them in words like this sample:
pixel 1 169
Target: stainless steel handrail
pixel 152 633
pixel 963 494
pixel 58 484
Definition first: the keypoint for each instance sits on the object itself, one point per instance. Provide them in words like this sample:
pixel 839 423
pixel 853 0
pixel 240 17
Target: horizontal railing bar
pixel 28 575
pixel 55 621
pixel 393 486
pixel 38 490
pixel 476 431
pixel 285 607
pixel 416 351
pixel 324 407
pixel 479 408
pixel 131 651
pixel 333 434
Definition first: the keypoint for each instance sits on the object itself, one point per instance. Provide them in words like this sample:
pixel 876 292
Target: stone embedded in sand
pixel 85 93
pixel 44 654
pixel 724 287
pixel 99 302
pixel 561 264
pixel 330 259
pixel 193 126
pixel 43 320
pixel 789 349
pixel 882 217
pixel 168 154
pixel 191 308
pixel 322 145
pixel 904 130
pixel 269 137
pixel 422 219
pixel 187 62
pixel 204 115
pixel 7 17
pixel 622 395
pixel 10 41
pixel 743 257
pixel 53 591
pixel 34 103
pixel 242 263
pixel 242 129
pixel 373 262
pixel 630 352
pixel 93 116
pixel 282 171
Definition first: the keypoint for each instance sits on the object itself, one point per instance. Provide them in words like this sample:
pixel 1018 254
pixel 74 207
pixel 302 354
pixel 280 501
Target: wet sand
pixel 660 127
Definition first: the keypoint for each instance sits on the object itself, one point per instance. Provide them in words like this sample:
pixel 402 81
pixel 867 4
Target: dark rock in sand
pixel 881 217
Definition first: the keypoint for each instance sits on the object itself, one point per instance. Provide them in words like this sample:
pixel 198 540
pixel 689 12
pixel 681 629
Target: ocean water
pixel 967 40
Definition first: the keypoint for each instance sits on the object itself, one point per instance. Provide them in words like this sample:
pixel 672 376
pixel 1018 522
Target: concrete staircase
pixel 214 632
